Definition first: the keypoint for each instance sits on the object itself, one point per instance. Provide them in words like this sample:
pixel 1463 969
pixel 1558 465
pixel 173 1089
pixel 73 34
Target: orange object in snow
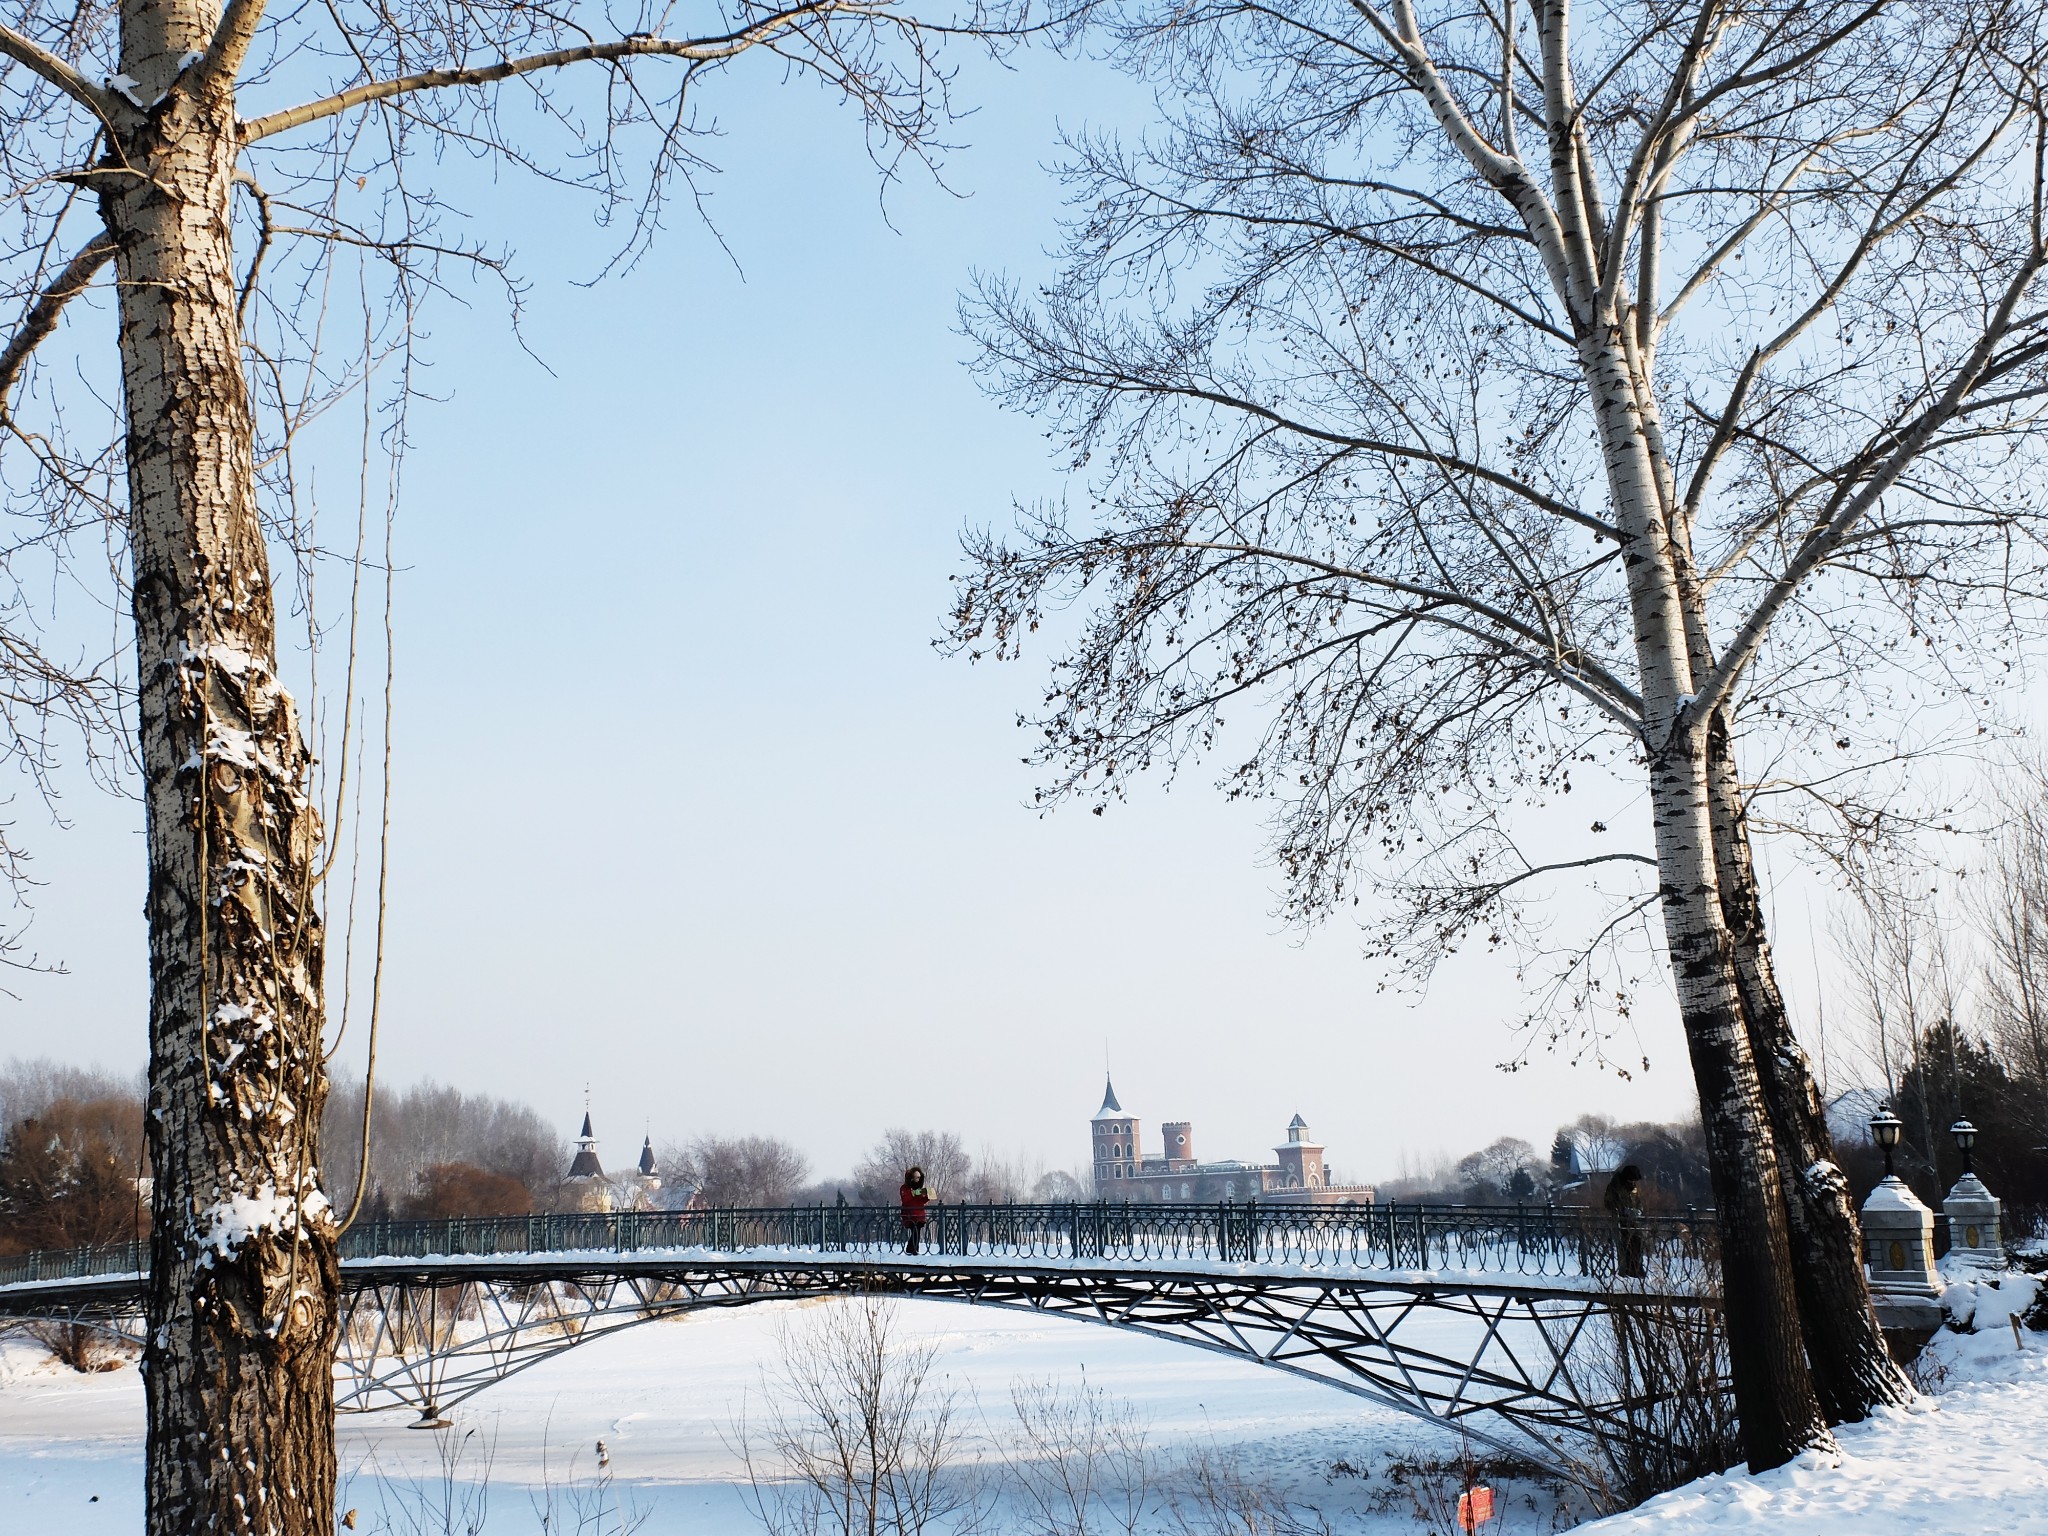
pixel 1475 1509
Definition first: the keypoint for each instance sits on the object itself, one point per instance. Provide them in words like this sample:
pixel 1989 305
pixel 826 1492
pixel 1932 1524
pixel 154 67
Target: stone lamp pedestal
pixel 1898 1253
pixel 1973 1235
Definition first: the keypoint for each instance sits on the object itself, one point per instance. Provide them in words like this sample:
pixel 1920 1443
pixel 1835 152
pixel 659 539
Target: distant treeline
pixel 1574 1170
pixel 74 1168
pixel 72 1160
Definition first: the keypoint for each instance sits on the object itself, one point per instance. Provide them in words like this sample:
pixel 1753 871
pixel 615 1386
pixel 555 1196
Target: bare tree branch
pixel 696 50
pixel 43 315
pixel 56 71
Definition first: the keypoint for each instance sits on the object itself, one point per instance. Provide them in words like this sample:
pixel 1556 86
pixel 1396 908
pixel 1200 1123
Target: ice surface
pixel 667 1398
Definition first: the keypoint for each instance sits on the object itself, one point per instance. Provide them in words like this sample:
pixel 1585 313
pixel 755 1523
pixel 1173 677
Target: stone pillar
pixel 1973 1236
pixel 1898 1251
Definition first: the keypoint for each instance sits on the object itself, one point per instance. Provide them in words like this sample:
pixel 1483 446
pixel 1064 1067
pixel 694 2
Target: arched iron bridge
pixel 1558 1335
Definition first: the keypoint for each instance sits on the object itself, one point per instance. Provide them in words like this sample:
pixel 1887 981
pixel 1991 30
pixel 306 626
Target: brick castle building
pixel 1124 1172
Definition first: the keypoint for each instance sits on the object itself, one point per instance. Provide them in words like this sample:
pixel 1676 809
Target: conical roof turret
pixel 585 1164
pixel 1109 1103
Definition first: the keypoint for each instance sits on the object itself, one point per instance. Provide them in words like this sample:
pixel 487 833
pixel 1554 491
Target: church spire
pixel 585 1164
pixel 1109 1103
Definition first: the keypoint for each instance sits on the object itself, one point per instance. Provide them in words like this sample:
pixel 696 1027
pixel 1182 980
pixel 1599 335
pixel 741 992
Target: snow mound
pixel 1968 1459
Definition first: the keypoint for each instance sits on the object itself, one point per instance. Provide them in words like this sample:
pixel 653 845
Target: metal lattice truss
pixel 1557 1368
pixel 106 1304
pixel 1528 1370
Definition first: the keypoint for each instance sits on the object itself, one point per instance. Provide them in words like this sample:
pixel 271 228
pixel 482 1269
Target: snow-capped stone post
pixel 1898 1249
pixel 1898 1242
pixel 1972 1211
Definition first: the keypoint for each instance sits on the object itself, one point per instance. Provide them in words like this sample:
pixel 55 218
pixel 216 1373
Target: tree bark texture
pixel 1774 1391
pixel 238 1362
pixel 1853 1370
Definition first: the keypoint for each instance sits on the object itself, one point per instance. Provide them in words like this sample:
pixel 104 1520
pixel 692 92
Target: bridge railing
pixel 1536 1241
pixel 75 1263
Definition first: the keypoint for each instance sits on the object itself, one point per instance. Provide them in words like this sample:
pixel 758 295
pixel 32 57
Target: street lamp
pixel 1966 1138
pixel 1885 1130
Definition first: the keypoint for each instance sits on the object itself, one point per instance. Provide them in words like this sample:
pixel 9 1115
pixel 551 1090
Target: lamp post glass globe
pixel 1885 1129
pixel 1966 1138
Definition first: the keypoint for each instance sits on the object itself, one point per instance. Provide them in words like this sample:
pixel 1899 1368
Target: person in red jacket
pixel 915 1198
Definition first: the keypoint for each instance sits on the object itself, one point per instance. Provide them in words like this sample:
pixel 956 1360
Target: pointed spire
pixel 585 1164
pixel 647 1157
pixel 1109 1103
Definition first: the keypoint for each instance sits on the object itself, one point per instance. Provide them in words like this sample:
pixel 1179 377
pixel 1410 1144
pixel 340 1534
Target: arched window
pixel 1116 1149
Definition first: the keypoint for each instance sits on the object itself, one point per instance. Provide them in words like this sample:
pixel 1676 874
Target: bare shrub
pixel 1666 1362
pixel 455 1498
pixel 1212 1494
pixel 1431 1487
pixel 1929 1372
pixel 1080 1462
pixel 857 1439
pixel 81 1346
pixel 586 1505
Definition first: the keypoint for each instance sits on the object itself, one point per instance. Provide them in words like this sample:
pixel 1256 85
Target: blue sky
pixel 685 804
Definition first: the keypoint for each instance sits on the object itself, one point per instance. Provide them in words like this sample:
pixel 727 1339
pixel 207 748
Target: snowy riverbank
pixel 1970 1460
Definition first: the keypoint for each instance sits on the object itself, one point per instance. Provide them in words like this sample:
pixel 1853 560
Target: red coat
pixel 914 1202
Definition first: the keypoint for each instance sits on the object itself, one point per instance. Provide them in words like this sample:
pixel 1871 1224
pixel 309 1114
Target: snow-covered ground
pixel 1972 1460
pixel 667 1399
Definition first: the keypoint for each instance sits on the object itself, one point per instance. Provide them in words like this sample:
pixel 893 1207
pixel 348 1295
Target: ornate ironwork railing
pixel 1538 1241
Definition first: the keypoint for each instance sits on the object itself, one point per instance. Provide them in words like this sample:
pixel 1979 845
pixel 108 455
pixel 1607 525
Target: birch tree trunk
pixel 1853 1370
pixel 1774 1388
pixel 238 1362
pixel 1774 1392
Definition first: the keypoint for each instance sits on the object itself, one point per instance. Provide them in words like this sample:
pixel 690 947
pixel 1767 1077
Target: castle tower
pixel 1115 1144
pixel 585 1164
pixel 1301 1158
pixel 1180 1144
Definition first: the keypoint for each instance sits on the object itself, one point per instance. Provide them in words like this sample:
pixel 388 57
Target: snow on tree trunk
pixel 1853 1370
pixel 242 1304
pixel 1774 1391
